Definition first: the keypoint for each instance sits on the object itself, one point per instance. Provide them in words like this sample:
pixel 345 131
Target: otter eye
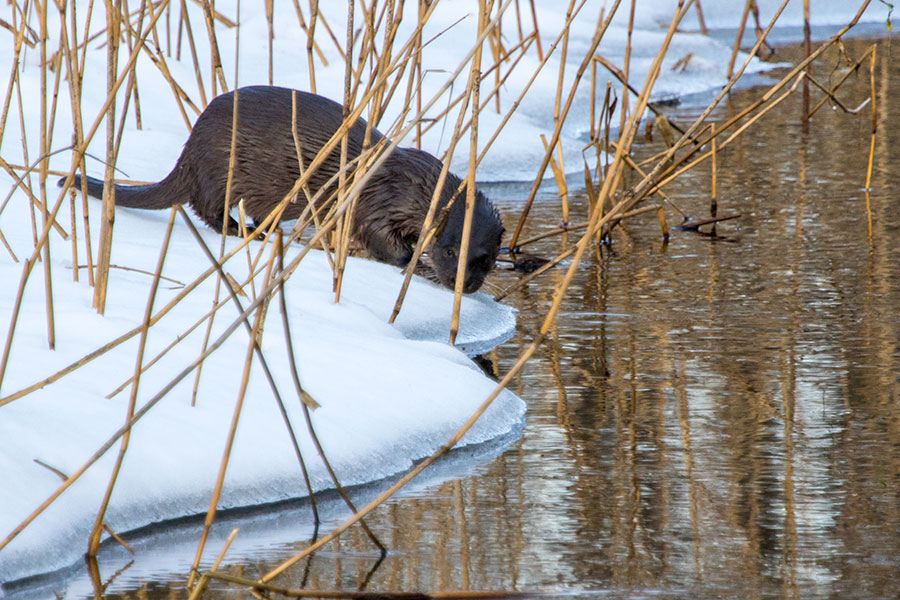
pixel 449 252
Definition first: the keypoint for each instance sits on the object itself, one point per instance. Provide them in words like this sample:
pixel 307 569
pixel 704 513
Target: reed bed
pixel 380 67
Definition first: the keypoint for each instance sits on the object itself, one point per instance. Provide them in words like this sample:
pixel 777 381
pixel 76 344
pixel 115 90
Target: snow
pixel 389 395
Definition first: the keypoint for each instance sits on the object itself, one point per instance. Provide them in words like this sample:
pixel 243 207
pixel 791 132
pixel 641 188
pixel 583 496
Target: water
pixel 712 416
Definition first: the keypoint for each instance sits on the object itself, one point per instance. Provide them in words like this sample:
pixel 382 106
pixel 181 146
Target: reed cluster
pixel 382 68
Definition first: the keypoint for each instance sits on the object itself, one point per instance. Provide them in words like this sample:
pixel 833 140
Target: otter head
pixel 484 243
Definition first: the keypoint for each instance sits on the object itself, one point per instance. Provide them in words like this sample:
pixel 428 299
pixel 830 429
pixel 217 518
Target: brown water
pixel 710 417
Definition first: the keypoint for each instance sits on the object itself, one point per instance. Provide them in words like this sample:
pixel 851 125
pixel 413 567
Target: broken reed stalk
pixel 474 86
pixel 94 540
pixel 829 93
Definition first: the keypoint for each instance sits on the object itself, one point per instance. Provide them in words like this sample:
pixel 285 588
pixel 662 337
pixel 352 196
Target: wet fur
pixel 391 207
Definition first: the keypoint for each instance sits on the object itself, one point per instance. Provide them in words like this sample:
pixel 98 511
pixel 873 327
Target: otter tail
pixel 151 196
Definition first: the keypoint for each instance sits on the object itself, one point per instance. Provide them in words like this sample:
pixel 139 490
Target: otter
pixel 391 208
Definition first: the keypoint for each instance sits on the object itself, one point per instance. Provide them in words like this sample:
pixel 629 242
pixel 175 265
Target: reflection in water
pixel 712 416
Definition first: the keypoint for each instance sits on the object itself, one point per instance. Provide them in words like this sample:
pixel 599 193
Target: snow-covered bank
pixel 388 395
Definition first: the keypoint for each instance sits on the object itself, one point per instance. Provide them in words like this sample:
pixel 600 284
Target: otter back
pixel 391 207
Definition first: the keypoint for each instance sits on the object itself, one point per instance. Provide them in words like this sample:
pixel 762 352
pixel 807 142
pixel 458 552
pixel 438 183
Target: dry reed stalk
pixel 218 74
pixel 345 224
pixel 94 540
pixel 305 399
pixel 634 166
pixel 18 184
pixel 122 338
pixel 295 133
pixel 180 284
pixel 25 154
pixel 560 177
pixel 106 527
pixel 8 247
pixel 579 226
pixel 474 85
pixel 270 23
pixel 185 20
pixel 807 47
pixel 77 156
pixel 666 158
pixel 159 60
pixel 75 72
pixel 872 142
pixel 14 317
pixel 626 68
pixel 229 441
pixel 165 350
pixel 307 403
pixel 226 207
pixel 829 93
pixel 311 40
pixel 598 36
pixel 663 225
pixel 13 72
pixel 738 38
pixel 537 31
pixel 874 127
pixel 74 95
pixel 149 404
pixel 415 471
pixel 699 8
pixel 218 16
pixel 133 83
pixel 204 579
pixel 109 208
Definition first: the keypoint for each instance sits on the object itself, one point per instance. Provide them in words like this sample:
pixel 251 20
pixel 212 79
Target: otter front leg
pixel 388 247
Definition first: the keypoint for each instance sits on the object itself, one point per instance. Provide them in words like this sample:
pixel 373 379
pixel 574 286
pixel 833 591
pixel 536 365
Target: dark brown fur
pixel 391 207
